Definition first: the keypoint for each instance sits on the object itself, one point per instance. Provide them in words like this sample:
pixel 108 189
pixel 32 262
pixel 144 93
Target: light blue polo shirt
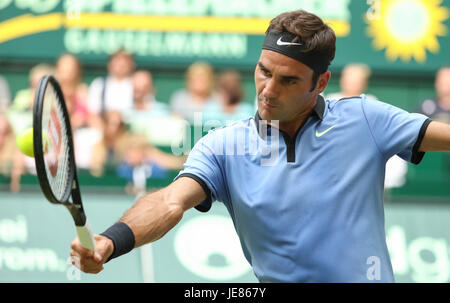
pixel 310 208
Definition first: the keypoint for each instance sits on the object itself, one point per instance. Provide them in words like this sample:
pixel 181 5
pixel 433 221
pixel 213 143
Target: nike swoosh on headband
pixel 279 42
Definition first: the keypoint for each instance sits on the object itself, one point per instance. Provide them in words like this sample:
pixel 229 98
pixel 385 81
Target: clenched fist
pixel 90 261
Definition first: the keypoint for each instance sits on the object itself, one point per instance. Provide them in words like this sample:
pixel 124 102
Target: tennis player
pixel 302 179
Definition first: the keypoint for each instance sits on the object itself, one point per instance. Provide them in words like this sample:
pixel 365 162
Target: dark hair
pixel 315 34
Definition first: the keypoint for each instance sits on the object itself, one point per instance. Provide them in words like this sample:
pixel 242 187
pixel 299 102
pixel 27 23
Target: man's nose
pixel 271 90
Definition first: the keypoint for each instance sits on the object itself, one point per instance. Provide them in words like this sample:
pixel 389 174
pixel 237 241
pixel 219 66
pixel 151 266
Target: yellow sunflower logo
pixel 407 28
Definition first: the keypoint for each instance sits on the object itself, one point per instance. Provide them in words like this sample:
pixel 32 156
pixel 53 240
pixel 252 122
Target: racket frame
pixel 72 189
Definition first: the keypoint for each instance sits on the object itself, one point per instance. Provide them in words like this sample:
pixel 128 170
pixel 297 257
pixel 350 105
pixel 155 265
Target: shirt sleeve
pixel 395 131
pixel 205 165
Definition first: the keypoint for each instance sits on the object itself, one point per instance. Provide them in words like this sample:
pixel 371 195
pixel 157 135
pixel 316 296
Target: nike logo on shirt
pixel 324 132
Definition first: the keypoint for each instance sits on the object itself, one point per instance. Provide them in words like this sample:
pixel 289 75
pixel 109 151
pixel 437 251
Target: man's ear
pixel 322 82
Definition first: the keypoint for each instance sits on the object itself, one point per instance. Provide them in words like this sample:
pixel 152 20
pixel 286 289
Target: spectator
pixel 20 111
pixel 11 160
pixel 141 161
pixel 134 166
pixel 69 74
pixel 396 169
pixel 109 150
pixel 84 140
pixel 149 116
pixel 231 106
pixel 395 176
pixel 5 95
pixel 438 107
pixel 198 93
pixel 25 97
pixel 113 92
pixel 145 106
pixel 353 82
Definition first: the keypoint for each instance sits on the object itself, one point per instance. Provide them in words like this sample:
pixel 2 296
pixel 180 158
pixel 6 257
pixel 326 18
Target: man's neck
pixel 142 104
pixel 292 127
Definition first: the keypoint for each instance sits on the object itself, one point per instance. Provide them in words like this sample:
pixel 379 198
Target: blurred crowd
pixel 119 126
pixel 354 81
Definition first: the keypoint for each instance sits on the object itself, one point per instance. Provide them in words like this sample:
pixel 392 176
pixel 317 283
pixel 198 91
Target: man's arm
pixel 437 138
pixel 157 213
pixel 150 218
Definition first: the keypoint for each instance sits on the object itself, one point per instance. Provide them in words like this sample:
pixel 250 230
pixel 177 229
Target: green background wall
pixel 35 241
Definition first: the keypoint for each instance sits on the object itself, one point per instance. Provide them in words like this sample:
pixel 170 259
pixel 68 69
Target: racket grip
pixel 85 235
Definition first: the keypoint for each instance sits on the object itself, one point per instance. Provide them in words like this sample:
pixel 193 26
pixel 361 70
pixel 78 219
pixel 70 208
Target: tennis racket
pixel 54 155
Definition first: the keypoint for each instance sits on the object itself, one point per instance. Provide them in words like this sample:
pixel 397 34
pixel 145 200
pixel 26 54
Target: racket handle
pixel 85 235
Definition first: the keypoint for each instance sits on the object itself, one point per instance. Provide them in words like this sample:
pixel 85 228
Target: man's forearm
pixel 437 138
pixel 152 216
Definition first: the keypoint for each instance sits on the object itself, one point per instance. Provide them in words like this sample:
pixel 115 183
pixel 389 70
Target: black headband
pixel 284 43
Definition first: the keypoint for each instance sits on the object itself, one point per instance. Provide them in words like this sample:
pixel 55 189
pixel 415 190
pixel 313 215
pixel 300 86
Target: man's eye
pixel 265 72
pixel 289 81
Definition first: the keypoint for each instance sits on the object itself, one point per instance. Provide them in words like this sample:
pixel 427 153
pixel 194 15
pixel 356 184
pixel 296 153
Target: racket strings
pixel 55 144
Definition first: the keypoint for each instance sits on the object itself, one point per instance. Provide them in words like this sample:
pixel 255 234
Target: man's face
pixel 142 86
pixel 121 65
pixel 199 83
pixel 67 70
pixel 442 83
pixel 283 86
pixel 353 81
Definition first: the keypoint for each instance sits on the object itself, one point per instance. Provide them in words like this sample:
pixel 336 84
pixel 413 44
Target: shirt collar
pixel 319 110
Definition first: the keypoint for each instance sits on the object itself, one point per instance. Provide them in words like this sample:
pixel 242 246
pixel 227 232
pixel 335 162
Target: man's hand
pixel 90 261
pixel 150 218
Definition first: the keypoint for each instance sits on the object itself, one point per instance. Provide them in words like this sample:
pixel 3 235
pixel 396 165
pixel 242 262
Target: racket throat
pixel 77 214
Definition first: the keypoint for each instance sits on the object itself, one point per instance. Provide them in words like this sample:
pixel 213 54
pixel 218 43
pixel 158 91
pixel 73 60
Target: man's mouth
pixel 267 105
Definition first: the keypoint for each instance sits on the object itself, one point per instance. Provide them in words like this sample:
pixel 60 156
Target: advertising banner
pixel 35 241
pixel 392 35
